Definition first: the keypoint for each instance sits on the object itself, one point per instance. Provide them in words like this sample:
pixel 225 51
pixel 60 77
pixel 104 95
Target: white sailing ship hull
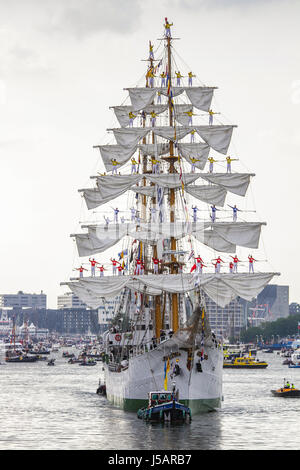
pixel 201 391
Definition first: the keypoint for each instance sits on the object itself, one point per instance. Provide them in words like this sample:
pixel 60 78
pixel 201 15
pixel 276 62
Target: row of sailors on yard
pixel 118 268
pixel 135 217
pixel 190 115
pixel 150 76
pixel 155 164
pixel 233 265
pixel 214 210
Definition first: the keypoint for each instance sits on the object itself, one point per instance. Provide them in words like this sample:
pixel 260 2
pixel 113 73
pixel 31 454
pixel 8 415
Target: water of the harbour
pixel 57 407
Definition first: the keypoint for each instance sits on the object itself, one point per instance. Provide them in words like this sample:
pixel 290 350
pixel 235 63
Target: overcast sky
pixel 64 62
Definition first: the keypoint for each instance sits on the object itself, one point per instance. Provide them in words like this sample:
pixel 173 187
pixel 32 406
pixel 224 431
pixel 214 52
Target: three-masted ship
pixel 161 336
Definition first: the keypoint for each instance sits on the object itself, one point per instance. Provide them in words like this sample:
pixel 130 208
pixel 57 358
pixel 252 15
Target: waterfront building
pixel 294 308
pixel 23 300
pixel 69 300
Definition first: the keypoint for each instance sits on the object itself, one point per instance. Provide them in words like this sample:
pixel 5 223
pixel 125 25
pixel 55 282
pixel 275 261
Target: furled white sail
pixel 221 288
pixel 141 97
pixel 118 152
pixel 200 97
pixel 211 194
pixel 129 137
pixel 198 151
pixel 236 183
pixel 112 186
pixel 217 137
pixel 221 236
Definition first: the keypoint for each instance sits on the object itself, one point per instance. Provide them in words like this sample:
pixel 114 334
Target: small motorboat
pixel 288 391
pixel 244 362
pixel 88 363
pixel 164 407
pixel 21 359
pixel 295 360
pixel 101 390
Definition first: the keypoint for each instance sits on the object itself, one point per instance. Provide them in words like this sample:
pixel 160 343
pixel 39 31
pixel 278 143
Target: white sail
pixel 211 194
pixel 129 137
pixel 141 97
pixel 197 151
pixel 236 183
pixel 221 288
pixel 221 236
pixel 118 152
pixel 217 137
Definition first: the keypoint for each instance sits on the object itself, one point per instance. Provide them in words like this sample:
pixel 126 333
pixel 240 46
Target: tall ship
pixel 169 240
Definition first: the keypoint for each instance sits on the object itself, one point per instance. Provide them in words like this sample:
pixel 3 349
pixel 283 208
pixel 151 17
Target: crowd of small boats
pixel 89 351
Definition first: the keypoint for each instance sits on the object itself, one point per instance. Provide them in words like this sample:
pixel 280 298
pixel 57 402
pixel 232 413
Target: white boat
pixel 295 359
pixel 161 331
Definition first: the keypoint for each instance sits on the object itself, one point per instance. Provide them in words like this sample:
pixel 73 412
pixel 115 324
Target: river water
pixel 57 408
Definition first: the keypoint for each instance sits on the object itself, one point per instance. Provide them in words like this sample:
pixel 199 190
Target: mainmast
pixel 171 158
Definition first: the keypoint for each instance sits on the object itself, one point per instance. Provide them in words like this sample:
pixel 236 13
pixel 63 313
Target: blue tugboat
pixel 164 406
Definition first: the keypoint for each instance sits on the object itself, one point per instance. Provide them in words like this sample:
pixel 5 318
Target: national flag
pixel 167 368
pixel 122 254
pixel 193 268
pixel 192 253
pixel 168 84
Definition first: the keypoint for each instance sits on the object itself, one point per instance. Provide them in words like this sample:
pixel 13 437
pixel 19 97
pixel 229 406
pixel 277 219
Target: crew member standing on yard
pixel 131 118
pixel 93 266
pixel 114 164
pixel 116 214
pixel 211 117
pixel 163 79
pixel 102 269
pixel 213 213
pixel 235 263
pixel 167 26
pixel 134 164
pixel 218 261
pixel 193 163
pixel 251 266
pixel 229 160
pixel 192 136
pixel 179 76
pixel 114 263
pixel 81 269
pixel 190 74
pixel 211 164
pixel 155 265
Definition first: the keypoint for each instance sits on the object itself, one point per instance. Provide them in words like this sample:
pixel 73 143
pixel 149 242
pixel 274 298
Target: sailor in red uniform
pixel 155 265
pixel 81 269
pixel 218 261
pixel 235 262
pixel 216 267
pixel 198 262
pixel 120 269
pixel 138 266
pixel 231 267
pixel 114 263
pixel 93 266
pixel 251 266
pixel 102 269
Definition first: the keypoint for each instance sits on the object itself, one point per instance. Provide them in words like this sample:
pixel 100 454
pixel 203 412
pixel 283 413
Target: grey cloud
pixel 79 18
pixel 237 4
pixel 86 17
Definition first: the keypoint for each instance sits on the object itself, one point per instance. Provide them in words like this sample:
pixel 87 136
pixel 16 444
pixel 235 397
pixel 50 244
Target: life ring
pixel 118 337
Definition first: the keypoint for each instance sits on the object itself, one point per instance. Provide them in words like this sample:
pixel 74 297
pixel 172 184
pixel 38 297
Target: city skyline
pixel 63 65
